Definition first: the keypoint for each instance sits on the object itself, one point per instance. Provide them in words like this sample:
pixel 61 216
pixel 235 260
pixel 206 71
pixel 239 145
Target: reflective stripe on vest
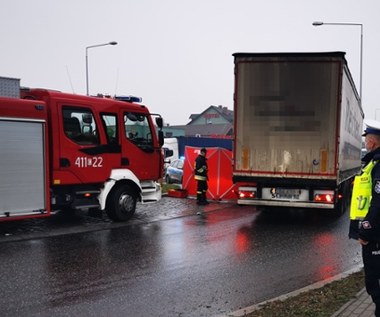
pixel 362 193
pixel 200 178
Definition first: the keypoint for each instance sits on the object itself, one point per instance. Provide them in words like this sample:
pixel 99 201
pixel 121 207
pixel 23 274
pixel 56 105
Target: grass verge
pixel 320 302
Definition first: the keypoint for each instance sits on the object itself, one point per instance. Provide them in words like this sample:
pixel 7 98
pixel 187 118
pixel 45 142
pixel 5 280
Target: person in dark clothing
pixel 200 175
pixel 365 217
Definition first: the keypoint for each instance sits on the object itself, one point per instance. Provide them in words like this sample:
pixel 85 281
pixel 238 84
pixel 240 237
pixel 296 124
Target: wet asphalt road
pixel 167 261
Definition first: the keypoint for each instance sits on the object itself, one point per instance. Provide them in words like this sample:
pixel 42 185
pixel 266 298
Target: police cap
pixel 373 127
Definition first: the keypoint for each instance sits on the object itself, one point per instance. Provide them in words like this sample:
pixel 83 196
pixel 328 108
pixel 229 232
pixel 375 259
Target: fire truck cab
pixel 102 153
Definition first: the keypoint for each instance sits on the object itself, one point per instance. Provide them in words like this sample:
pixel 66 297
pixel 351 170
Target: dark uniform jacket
pixel 201 167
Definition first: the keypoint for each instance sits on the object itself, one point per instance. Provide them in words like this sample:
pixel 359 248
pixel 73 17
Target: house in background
pixel 173 131
pixel 215 121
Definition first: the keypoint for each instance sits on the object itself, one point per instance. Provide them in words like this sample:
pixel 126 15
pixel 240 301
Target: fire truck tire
pixel 121 204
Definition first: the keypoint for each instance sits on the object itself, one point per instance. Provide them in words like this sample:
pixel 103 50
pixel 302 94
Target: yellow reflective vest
pixel 362 193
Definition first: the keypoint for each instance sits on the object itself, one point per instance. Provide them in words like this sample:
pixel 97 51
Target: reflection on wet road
pixel 191 265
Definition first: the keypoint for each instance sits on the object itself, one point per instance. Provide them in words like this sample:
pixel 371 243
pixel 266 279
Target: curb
pixel 247 310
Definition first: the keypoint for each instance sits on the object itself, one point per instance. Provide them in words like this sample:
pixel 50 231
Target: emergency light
pixel 129 98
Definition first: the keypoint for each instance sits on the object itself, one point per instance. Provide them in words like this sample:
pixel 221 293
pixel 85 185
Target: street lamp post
pixel 91 46
pixel 317 23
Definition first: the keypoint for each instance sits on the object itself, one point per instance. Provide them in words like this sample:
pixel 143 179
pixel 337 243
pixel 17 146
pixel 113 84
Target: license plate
pixel 284 193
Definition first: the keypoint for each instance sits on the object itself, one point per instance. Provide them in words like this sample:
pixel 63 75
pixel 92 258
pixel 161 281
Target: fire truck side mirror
pixel 161 137
pixel 159 122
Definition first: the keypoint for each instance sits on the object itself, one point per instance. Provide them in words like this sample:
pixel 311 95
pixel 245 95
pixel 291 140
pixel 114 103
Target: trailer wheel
pixel 121 204
pixel 339 209
pixel 344 203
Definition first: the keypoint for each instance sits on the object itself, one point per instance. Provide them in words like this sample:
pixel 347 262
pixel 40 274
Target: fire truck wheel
pixel 121 204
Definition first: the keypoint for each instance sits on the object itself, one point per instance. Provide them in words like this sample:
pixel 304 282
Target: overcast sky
pixel 176 54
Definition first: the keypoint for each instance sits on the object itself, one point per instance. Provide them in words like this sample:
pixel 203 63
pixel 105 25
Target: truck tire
pixel 344 203
pixel 339 208
pixel 121 204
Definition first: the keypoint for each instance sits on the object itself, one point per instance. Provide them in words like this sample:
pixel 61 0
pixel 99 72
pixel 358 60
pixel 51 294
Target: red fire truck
pixel 64 151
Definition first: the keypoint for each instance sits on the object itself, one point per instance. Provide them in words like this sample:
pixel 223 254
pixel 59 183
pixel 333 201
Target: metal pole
pixel 91 46
pixel 86 71
pixel 317 23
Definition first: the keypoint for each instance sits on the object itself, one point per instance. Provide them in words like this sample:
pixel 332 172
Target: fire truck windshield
pixel 138 130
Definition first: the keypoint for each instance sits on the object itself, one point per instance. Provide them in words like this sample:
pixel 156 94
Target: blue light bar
pixel 129 98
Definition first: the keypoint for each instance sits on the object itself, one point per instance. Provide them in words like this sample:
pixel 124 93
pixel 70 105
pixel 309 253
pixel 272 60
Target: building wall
pixel 213 122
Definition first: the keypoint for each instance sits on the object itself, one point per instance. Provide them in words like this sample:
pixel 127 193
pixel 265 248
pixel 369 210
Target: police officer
pixel 200 171
pixel 365 211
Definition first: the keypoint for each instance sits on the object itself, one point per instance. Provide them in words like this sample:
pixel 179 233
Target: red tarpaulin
pixel 219 160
